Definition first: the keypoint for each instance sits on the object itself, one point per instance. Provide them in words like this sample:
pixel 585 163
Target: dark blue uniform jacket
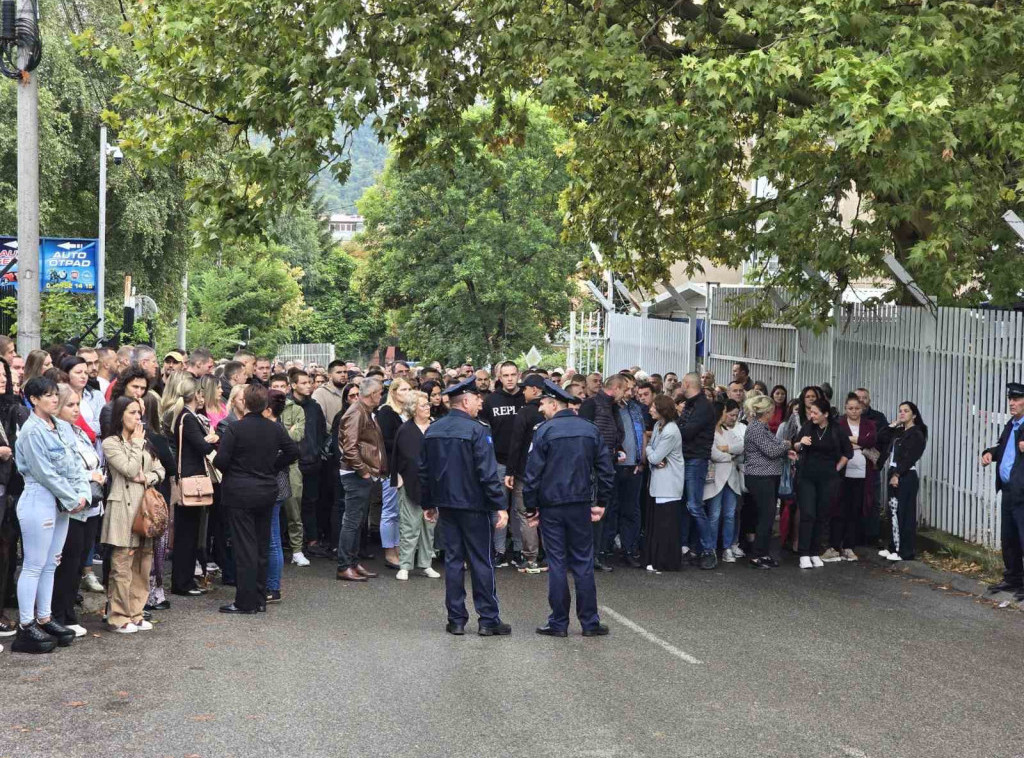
pixel 567 459
pixel 457 466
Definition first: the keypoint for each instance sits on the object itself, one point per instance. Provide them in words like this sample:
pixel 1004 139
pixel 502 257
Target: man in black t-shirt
pixel 499 411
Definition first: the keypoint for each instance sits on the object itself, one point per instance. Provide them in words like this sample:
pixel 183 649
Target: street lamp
pixel 101 257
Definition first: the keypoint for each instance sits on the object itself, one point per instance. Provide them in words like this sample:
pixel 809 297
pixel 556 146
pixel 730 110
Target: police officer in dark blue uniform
pixel 459 478
pixel 1008 454
pixel 568 460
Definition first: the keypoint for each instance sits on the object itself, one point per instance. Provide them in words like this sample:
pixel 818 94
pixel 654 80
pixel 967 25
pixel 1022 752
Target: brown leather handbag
pixel 152 516
pixel 190 490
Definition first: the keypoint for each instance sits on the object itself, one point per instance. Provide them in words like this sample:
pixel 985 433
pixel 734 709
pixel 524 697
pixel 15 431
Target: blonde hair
pixel 412 400
pixel 64 393
pixel 208 389
pixel 758 405
pixel 237 390
pixel 186 393
pixel 396 406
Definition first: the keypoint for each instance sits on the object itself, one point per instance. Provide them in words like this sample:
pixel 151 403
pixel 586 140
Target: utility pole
pixel 28 191
pixel 183 314
pixel 101 252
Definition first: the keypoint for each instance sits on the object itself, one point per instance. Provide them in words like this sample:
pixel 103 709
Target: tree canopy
pixel 912 110
pixel 467 255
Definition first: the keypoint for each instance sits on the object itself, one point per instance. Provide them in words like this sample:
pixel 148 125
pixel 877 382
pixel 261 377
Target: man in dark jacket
pixel 499 411
pixel 697 425
pixel 567 459
pixel 1008 454
pixel 526 421
pixel 309 458
pixel 602 410
pixel 459 478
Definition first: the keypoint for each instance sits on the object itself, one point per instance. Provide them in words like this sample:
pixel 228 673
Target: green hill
pixel 368 157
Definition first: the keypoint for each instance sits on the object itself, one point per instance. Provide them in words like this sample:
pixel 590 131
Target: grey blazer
pixel 666 445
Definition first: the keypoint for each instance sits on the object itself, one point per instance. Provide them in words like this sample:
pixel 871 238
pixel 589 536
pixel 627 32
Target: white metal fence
pixel 656 345
pixel 954 366
pixel 587 341
pixel 320 353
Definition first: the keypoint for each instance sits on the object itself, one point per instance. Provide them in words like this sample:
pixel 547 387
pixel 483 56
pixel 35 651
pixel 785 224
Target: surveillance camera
pixel 118 156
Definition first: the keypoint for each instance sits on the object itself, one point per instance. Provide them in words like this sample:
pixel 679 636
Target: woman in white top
pixel 662 550
pixel 724 483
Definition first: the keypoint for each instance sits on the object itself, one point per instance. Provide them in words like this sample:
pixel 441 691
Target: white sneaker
pixel 144 626
pixel 128 628
pixel 212 567
pixel 884 553
pixel 849 555
pixel 430 573
pixel 805 562
pixel 90 583
pixel 402 575
pixel 78 630
pixel 727 556
pixel 894 557
pixel 298 559
pixel 817 562
pixel 685 549
pixel 737 552
pixel 198 571
pixel 831 555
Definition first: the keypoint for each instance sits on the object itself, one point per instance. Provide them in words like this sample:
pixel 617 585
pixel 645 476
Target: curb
pixel 942 579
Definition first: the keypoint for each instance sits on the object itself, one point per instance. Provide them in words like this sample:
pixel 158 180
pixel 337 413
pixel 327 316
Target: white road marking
pixel 648 636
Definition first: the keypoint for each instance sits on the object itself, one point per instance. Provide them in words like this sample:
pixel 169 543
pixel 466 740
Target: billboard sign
pixel 64 264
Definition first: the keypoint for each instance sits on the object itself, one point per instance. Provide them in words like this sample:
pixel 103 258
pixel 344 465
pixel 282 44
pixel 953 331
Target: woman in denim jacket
pixel 55 485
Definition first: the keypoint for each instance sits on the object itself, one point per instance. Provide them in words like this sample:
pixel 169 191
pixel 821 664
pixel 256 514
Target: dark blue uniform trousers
pixel 468 536
pixel 569 544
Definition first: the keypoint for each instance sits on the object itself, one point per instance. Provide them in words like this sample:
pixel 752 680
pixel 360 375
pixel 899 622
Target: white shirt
pixel 857 468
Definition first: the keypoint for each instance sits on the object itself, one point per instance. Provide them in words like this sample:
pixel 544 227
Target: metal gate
pixel 320 353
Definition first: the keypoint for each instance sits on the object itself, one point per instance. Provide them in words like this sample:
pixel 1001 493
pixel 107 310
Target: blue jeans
pixel 623 515
pixel 275 561
pixel 43 531
pixel 513 526
pixel 389 529
pixel 723 504
pixel 695 474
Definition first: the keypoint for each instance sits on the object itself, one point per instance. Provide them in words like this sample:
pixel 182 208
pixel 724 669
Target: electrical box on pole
pixel 21 50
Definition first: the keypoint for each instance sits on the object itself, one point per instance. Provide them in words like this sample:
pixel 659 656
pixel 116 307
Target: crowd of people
pixel 262 462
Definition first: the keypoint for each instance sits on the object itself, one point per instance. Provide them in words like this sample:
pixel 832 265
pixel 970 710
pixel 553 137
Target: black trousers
pixel 186 546
pixel 846 521
pixel 310 506
pixel 903 509
pixel 69 572
pixel 220 537
pixel 326 511
pixel 765 491
pixel 9 534
pixel 814 498
pixel 1012 537
pixel 250 528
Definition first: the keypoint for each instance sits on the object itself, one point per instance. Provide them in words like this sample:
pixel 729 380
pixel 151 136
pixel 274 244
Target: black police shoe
pixel 500 629
pixel 457 629
pixel 235 609
pixel 59 632
pixel 709 560
pixel 601 564
pixel 596 631
pixel 32 639
pixel 1004 586
pixel 549 631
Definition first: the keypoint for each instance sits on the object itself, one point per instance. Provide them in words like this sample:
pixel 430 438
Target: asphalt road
pixel 849 661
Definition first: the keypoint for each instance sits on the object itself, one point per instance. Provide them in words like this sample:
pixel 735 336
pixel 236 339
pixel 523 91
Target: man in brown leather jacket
pixel 364 462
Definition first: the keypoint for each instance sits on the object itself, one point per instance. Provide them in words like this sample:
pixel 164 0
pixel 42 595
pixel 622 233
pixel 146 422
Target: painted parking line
pixel 648 635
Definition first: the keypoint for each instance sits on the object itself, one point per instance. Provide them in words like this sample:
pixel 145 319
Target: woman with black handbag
pixel 133 467
pixel 192 443
pixel 82 526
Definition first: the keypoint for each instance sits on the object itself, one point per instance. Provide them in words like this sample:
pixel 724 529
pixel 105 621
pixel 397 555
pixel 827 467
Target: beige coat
pixel 124 461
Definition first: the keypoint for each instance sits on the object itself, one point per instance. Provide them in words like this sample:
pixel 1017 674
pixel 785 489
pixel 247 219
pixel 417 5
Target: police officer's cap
pixel 533 380
pixel 555 392
pixel 466 385
pixel 1014 389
